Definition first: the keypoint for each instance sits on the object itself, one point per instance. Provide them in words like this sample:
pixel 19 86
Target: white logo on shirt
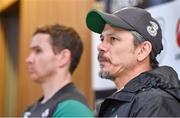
pixel 26 114
pixel 45 113
pixel 152 29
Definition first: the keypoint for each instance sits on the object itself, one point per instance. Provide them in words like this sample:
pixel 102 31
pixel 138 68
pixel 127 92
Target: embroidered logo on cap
pixel 152 29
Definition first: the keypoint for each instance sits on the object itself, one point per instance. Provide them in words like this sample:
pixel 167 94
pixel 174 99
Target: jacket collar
pixel 162 77
pixel 137 84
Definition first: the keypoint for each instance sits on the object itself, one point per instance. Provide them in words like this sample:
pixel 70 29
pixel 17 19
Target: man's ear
pixel 64 57
pixel 143 50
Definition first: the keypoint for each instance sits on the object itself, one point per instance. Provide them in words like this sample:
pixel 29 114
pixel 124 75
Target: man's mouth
pixel 103 59
pixel 30 70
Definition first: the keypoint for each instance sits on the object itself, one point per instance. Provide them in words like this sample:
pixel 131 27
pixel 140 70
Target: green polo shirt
pixel 72 108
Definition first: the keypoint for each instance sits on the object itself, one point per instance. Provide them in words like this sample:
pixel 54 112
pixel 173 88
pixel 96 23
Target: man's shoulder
pixel 71 103
pixel 72 108
pixel 155 95
pixel 156 102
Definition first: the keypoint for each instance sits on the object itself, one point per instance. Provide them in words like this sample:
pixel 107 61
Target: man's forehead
pixel 110 33
pixel 39 40
pixel 109 30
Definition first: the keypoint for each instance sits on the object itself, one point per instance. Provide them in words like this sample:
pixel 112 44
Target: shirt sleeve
pixel 72 108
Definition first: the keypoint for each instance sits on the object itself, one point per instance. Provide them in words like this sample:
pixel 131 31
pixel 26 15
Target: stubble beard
pixel 106 75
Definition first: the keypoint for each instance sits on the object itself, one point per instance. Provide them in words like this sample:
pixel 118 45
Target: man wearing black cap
pixel 130 41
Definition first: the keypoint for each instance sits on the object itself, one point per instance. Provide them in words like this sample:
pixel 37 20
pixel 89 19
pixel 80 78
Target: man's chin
pixel 35 79
pixel 106 75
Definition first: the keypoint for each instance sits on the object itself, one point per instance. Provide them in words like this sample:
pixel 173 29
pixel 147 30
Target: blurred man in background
pixel 55 53
pixel 130 41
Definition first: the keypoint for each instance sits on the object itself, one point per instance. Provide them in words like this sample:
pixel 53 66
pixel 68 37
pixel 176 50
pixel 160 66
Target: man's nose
pixel 103 46
pixel 29 59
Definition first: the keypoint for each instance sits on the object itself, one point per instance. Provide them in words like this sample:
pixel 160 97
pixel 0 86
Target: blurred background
pixel 20 18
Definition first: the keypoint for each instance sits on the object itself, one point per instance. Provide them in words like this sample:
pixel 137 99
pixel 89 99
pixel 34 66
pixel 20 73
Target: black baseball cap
pixel 128 18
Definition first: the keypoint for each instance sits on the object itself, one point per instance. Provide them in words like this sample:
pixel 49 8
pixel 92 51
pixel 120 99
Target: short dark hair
pixel 138 39
pixel 63 37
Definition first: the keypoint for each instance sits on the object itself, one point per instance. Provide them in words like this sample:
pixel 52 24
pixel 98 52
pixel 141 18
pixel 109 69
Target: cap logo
pixel 152 29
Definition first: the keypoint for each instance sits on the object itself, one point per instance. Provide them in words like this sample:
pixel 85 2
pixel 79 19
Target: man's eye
pixel 112 39
pixel 101 39
pixel 38 50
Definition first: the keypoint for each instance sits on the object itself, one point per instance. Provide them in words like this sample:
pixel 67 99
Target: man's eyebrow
pixel 34 47
pixel 116 36
pixel 110 34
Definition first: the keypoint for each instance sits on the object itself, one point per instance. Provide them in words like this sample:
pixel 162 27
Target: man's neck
pixel 125 77
pixel 54 84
